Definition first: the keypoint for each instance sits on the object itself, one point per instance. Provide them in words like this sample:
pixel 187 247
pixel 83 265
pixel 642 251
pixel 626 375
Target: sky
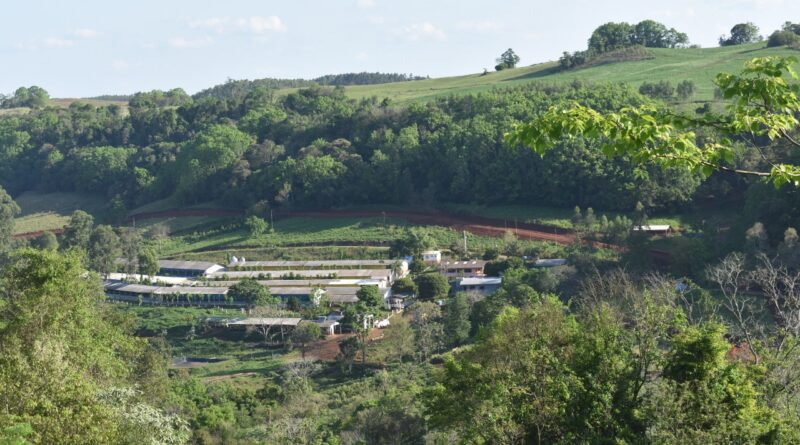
pixel 93 47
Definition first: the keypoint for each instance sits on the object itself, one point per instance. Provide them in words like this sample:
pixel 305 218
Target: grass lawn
pixel 48 211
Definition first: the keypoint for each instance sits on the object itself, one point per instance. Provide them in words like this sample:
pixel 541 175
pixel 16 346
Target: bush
pixel 783 38
pixel 658 90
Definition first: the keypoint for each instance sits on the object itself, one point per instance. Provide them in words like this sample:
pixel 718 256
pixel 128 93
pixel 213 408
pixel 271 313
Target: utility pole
pixel 465 242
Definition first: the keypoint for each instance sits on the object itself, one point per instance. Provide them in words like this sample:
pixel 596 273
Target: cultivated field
pixel 697 64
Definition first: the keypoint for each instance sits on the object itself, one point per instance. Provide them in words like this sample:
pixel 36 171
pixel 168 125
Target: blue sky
pixel 92 47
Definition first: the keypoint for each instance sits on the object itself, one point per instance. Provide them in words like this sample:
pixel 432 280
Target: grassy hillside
pixel 699 65
pixel 48 211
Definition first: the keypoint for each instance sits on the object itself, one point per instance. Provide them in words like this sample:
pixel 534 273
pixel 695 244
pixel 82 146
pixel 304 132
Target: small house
pixel 550 262
pixel 432 257
pixel 459 269
pixel 481 285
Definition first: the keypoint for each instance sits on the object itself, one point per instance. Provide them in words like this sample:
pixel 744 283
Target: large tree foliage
pixel 250 292
pixel 765 105
pixel 8 210
pixel 61 354
pixel 741 33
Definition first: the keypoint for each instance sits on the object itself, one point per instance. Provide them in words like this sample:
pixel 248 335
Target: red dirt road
pixel 473 224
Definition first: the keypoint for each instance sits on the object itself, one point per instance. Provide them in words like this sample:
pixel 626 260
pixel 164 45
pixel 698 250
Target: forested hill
pixel 346 146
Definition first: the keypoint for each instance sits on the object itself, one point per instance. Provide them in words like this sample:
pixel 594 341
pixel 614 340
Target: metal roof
pixel 653 228
pixel 258 321
pixel 318 263
pixel 463 264
pixel 482 281
pixel 186 290
pixel 187 265
pixel 309 273
pixel 551 262
pixel 130 288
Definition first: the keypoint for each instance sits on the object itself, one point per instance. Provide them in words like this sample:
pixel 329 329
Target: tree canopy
pixel 764 105
pixel 741 33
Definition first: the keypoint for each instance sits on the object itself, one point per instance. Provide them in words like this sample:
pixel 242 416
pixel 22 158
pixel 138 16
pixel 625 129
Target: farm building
pixel 173 268
pixel 381 277
pixel 654 229
pixel 180 295
pixel 550 262
pixel 401 265
pixel 432 256
pixel 482 285
pixel 458 269
pixel 328 326
pixel 398 302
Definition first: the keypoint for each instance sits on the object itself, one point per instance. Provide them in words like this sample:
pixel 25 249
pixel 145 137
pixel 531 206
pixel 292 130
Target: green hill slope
pixel 675 65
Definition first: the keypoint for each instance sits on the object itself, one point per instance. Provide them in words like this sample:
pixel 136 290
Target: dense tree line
pixel 611 37
pixel 33 97
pixel 233 89
pixel 318 148
pixel 788 35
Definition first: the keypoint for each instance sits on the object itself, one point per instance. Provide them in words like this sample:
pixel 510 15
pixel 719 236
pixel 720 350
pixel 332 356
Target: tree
pixel 306 332
pixel 611 36
pixel 148 262
pixel 756 239
pixel 398 339
pixel 69 350
pixel 8 210
pixel 639 215
pixel 783 38
pixel 432 286
pixel 648 133
pixel 508 60
pixel 253 294
pixel 104 249
pixel 741 34
pixel 429 333
pixel 348 349
pixel 370 298
pixel 255 226
pixel 686 89
pixel 662 89
pixel 415 241
pixel 130 243
pixel 45 241
pixel 77 231
pixel 405 285
pixel 456 319
pixel 693 400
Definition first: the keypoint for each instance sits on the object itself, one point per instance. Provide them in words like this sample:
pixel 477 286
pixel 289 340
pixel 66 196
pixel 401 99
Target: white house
pixel 432 256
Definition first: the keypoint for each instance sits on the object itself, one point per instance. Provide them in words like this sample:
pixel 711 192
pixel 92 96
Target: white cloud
pixel 120 65
pixel 262 24
pixel 376 19
pixel 183 42
pixel 422 31
pixel 86 33
pixel 365 3
pixel 57 42
pixel 254 24
pixel 480 26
